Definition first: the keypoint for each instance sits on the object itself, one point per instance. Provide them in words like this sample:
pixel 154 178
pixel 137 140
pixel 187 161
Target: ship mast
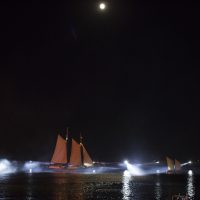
pixel 67 134
pixel 81 139
pixel 67 137
pixel 81 148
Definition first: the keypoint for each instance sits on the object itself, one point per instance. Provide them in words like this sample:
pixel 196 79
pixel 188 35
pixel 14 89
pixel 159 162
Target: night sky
pixel 127 78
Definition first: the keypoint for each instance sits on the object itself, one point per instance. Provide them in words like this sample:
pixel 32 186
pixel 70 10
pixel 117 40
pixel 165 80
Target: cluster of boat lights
pixel 30 167
pixel 133 170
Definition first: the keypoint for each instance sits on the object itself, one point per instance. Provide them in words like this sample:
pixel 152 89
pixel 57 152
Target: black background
pixel 127 78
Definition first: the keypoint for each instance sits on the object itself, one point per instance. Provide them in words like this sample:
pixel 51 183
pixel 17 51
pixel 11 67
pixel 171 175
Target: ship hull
pixel 95 169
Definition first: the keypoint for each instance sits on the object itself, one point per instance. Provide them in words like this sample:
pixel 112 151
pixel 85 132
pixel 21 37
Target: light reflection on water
pixel 158 190
pixel 190 186
pixel 57 186
pixel 136 188
pixel 70 187
pixel 29 192
pixel 126 188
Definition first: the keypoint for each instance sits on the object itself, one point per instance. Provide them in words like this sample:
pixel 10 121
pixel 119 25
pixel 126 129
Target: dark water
pixel 58 186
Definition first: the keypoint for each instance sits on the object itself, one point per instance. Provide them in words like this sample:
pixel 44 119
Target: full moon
pixel 102 6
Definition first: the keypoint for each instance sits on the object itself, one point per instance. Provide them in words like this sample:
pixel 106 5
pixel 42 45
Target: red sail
pixel 60 152
pixel 75 158
pixel 87 161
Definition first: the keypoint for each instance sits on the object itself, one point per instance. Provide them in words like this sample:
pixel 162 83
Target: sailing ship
pixel 173 166
pixel 78 158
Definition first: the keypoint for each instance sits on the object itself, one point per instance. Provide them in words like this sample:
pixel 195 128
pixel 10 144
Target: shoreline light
pixel 190 172
pixel 133 169
pixel 126 162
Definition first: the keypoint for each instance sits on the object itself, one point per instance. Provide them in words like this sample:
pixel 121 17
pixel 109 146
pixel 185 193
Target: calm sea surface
pixel 58 186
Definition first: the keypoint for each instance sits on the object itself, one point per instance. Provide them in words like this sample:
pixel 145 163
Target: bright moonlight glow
pixel 102 6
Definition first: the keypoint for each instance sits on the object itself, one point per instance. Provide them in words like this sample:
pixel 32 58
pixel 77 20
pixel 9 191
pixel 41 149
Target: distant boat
pixel 173 166
pixel 177 166
pixel 170 165
pixel 79 156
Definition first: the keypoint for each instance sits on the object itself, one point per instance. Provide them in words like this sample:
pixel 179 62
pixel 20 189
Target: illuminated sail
pixel 87 161
pixel 177 165
pixel 75 158
pixel 170 164
pixel 60 152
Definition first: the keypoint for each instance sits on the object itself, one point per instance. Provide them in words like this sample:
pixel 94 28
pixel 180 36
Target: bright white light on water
pixel 6 167
pixel 190 186
pixel 157 171
pixel 31 165
pixel 126 162
pixel 190 172
pixel 190 162
pixel 127 173
pixel 3 166
pixel 157 162
pixel 94 171
pixel 126 189
pixel 134 170
pixel 102 6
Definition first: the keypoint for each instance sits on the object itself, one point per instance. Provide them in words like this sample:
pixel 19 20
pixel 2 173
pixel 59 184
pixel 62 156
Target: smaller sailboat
pixel 79 157
pixel 170 165
pixel 173 166
pixel 177 166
